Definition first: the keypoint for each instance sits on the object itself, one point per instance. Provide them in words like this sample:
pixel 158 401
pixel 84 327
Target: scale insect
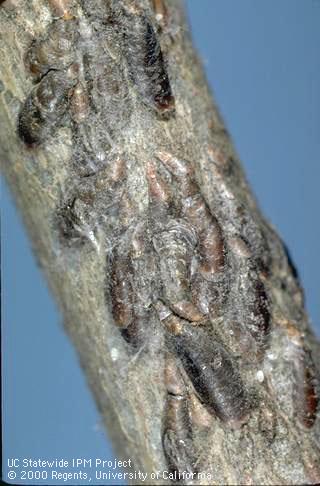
pixel 146 63
pixel 44 109
pixel 177 433
pixel 213 373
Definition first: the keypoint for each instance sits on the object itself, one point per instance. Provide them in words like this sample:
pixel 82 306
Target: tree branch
pixel 181 300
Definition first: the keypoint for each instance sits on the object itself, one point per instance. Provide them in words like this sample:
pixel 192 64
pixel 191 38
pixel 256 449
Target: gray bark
pixel 254 420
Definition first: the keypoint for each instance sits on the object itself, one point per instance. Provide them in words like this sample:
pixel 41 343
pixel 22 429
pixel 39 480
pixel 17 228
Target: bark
pixel 179 297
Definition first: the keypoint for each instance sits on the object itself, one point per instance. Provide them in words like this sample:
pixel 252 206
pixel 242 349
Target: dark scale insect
pixel 44 108
pixel 77 221
pixel 195 210
pixel 177 435
pixel 121 289
pixel 205 266
pixel 69 221
pixel 305 392
pixel 132 286
pixel 55 51
pixel 77 217
pixel 50 61
pixel 175 246
pixel 211 369
pixel 255 306
pixel 213 374
pixel 160 197
pixel 305 389
pixel 145 62
pixel 248 316
pixel 105 110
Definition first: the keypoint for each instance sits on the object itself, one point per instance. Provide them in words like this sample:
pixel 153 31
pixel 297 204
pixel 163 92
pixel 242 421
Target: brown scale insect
pixel 131 291
pixel 305 392
pixel 69 221
pixel 207 280
pixel 175 247
pixel 122 296
pixel 175 243
pixel 213 373
pixel 121 290
pixel 76 220
pixel 106 109
pixel 55 51
pixel 44 108
pixel 130 313
pixel 49 59
pixel 250 320
pixel 177 439
pixel 258 318
pixel 196 211
pixel 159 191
pixel 305 387
pixel 77 217
pixel 145 62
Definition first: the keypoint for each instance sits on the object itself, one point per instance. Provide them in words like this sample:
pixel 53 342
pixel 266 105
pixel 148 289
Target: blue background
pixel 263 60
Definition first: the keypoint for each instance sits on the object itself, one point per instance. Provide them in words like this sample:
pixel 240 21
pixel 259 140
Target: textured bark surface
pixel 180 298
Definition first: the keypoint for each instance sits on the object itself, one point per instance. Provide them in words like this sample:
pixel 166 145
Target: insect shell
pixel 75 223
pixel 175 247
pixel 44 108
pixel 255 304
pixel 177 427
pixel 305 386
pixel 213 373
pixel 176 437
pixel 89 202
pixel 124 306
pixel 121 290
pixel 196 211
pixel 260 309
pixel 55 51
pixel 146 64
pixel 305 393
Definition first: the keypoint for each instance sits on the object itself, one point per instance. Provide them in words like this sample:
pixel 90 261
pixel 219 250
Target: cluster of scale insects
pixel 173 261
